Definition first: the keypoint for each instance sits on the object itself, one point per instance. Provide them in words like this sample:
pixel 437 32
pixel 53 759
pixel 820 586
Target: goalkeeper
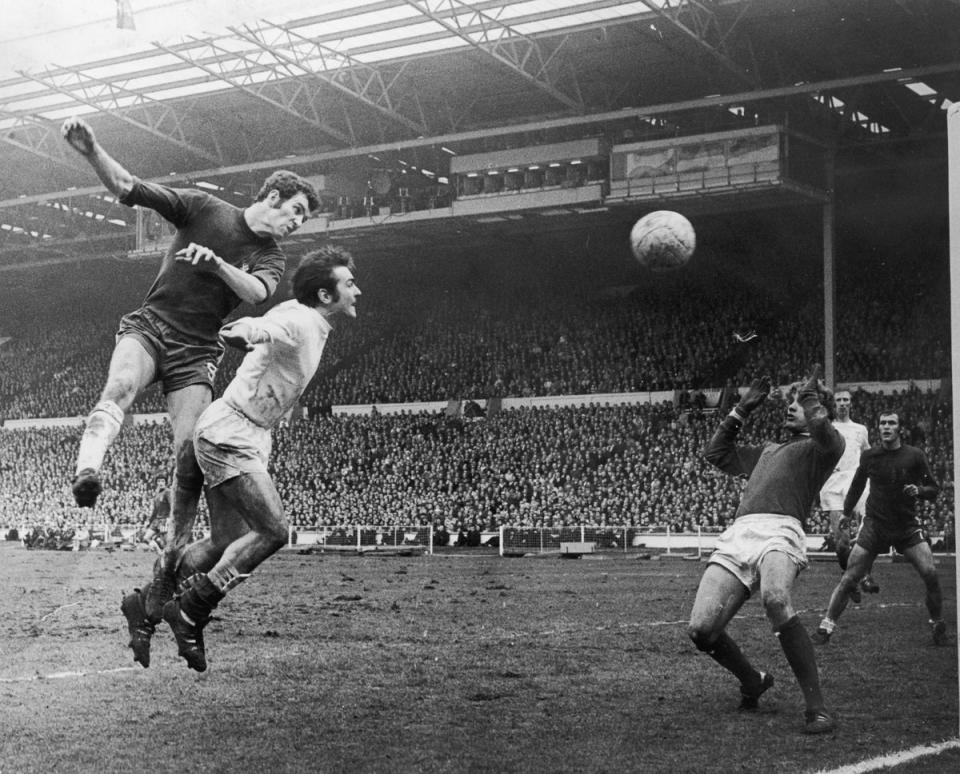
pixel 765 547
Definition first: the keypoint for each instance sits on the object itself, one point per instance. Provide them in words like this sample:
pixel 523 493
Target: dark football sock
pixel 198 601
pixel 802 658
pixel 728 655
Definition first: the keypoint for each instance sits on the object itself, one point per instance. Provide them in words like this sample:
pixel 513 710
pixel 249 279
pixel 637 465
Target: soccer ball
pixel 663 240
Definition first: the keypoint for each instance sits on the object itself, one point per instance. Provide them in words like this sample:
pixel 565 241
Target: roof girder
pixel 161 119
pixel 504 43
pixel 39 137
pixel 706 29
pixel 753 96
pixel 342 71
pixel 290 95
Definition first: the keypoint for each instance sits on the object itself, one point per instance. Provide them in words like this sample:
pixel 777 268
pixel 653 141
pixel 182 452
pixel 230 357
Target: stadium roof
pixel 217 93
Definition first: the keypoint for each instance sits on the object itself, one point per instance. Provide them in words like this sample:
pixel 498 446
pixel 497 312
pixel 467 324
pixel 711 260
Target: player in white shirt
pixel 232 439
pixel 834 491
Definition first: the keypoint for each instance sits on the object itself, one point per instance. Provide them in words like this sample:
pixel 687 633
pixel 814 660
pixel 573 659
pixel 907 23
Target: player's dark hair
pixel 891 413
pixel 315 273
pixel 289 184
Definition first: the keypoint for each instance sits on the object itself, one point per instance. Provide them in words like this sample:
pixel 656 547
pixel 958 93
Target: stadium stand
pixel 485 327
pixel 594 465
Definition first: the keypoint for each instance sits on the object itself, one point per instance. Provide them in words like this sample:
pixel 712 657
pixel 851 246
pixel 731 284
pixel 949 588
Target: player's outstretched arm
pixel 112 174
pixel 821 429
pixel 246 286
pixel 756 394
pixel 721 450
pixel 237 334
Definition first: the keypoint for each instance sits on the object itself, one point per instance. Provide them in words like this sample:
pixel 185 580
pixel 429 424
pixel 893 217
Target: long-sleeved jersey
pixel 160 510
pixel 783 478
pixel 288 344
pixel 889 471
pixel 857 442
pixel 197 302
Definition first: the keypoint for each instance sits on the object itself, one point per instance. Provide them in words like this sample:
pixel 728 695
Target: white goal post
pixel 953 178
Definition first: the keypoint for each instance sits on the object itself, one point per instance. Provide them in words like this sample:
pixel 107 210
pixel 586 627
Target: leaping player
pixel 233 439
pixel 221 255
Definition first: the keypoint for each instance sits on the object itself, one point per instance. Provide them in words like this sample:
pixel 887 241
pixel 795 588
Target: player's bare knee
pixel 121 388
pixel 776 603
pixel 703 638
pixel 275 535
pixel 849 581
pixel 930 578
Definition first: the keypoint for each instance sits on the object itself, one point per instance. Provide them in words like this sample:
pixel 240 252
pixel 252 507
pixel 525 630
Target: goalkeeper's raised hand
pixel 756 394
pixel 813 394
pixel 813 384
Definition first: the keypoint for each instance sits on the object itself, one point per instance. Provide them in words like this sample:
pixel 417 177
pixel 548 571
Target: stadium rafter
pixel 132 106
pixel 39 137
pixel 390 86
pixel 503 42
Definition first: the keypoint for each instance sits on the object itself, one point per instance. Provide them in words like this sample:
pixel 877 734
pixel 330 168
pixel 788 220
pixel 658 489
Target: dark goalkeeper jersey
pixel 194 302
pixel 782 478
pixel 889 471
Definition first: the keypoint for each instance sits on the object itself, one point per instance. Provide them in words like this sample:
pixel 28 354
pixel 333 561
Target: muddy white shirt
pixel 288 344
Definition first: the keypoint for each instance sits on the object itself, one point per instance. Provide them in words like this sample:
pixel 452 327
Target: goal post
pixel 362 538
pixel 953 185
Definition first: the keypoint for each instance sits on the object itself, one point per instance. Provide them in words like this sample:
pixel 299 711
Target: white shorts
pixel 227 444
pixel 743 545
pixel 833 501
pixel 834 489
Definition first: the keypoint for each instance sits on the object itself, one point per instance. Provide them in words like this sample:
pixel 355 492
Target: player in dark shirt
pixel 765 547
pixel 155 530
pixel 221 255
pixel 899 475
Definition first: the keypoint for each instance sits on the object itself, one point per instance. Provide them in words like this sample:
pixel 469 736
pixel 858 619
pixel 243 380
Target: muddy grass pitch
pixel 452 663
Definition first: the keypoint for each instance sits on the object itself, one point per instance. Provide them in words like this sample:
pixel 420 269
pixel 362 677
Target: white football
pixel 663 240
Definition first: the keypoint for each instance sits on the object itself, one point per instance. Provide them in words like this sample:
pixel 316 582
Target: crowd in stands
pixel 594 465
pixel 554 322
pixel 502 326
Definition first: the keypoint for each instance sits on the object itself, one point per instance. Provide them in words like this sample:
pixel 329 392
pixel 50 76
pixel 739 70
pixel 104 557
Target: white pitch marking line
pixel 894 759
pixel 57 610
pixel 64 675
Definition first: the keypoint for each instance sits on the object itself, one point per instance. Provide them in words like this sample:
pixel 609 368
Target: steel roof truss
pixel 244 71
pixel 39 137
pixel 370 85
pixel 706 29
pixel 499 40
pixel 158 118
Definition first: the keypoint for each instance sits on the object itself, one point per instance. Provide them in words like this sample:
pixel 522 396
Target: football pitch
pixel 455 663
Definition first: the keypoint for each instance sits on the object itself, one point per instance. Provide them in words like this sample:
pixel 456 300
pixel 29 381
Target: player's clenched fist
pixel 237 335
pixel 78 133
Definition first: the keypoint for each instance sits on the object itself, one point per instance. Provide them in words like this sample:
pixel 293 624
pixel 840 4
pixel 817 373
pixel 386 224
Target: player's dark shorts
pixel 878 539
pixel 181 360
